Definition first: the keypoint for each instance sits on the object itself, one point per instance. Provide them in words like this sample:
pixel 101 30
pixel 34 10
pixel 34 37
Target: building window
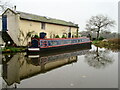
pixel 43 25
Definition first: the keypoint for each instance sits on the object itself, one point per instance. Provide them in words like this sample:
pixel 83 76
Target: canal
pixel 88 68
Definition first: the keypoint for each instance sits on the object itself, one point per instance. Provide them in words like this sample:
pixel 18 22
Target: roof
pixel 38 18
pixel 33 17
pixel 10 10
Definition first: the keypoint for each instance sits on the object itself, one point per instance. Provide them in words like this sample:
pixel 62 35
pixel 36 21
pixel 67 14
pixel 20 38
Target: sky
pixel 76 11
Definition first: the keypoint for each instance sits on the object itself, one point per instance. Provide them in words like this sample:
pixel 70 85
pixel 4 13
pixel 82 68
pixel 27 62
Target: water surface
pixel 89 68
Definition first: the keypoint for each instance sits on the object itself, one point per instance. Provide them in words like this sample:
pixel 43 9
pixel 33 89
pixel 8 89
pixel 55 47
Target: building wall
pixel 0 22
pixel 17 27
pixel 13 26
pixel 1 41
pixel 51 29
pixel 59 30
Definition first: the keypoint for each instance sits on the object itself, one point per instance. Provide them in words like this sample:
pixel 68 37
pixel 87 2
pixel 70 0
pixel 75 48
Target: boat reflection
pixel 21 66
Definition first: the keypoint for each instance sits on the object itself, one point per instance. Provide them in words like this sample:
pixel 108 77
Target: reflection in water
pixel 21 66
pixel 114 49
pixel 98 58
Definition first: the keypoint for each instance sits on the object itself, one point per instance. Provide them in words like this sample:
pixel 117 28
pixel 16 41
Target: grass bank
pixel 108 43
pixel 13 49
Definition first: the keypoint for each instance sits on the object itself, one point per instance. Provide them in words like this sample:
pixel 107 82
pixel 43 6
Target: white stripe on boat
pixel 33 49
pixel 33 56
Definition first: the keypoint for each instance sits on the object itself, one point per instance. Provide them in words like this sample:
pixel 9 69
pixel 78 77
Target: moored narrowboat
pixel 38 44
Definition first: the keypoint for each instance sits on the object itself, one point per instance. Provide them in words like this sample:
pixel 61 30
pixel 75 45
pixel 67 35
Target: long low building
pixel 0 22
pixel 20 24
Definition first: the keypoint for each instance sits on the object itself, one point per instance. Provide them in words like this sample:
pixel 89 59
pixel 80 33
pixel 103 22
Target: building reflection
pixel 21 66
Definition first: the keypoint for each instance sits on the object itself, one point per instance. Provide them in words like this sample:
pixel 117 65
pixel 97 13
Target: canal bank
pixel 113 44
pixel 13 49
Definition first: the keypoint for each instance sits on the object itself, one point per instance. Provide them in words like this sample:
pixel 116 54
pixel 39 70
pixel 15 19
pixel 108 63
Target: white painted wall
pixel 0 76
pixel 0 22
pixel 0 29
pixel 12 26
pixel 1 41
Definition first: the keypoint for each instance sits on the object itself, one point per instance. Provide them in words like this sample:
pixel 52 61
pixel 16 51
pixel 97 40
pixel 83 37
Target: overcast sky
pixel 77 11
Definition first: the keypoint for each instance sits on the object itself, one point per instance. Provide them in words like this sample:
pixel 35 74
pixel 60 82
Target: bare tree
pixel 98 58
pixel 99 23
pixel 25 37
pixel 4 5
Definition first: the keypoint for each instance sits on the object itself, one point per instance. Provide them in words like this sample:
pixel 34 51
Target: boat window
pixel 53 42
pixel 79 40
pixel 63 42
pixel 34 43
pixel 43 43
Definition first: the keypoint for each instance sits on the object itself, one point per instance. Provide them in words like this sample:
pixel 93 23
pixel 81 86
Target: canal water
pixel 88 68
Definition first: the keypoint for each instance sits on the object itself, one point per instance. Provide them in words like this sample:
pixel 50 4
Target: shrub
pixel 57 36
pixel 95 42
pixel 101 38
pixel 114 41
pixel 76 36
pixel 93 39
pixel 36 36
pixel 63 36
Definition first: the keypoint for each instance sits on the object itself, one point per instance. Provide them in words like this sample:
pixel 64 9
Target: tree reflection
pixel 98 58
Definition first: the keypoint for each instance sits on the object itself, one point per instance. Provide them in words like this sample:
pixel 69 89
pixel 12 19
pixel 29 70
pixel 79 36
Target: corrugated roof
pixel 33 17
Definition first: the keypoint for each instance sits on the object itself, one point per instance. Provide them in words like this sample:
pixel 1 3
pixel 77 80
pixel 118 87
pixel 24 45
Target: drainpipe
pixel 77 30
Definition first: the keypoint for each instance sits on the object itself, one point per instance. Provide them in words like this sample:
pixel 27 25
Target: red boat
pixel 38 44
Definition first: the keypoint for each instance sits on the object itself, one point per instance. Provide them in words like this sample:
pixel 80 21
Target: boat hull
pixel 59 48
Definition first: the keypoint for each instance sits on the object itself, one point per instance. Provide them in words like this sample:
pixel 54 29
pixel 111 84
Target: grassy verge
pixel 12 49
pixel 109 43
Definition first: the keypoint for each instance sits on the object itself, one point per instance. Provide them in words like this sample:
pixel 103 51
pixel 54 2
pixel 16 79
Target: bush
pixel 63 36
pixel 57 36
pixel 95 42
pixel 76 36
pixel 36 36
pixel 93 39
pixel 114 41
pixel 101 38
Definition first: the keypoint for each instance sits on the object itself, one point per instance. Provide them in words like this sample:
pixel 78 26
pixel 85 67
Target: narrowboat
pixel 42 44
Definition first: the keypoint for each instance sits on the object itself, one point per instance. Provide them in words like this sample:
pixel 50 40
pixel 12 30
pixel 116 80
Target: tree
pixel 28 35
pixel 63 36
pixel 57 36
pixel 25 37
pixel 98 58
pixel 99 23
pixel 4 6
